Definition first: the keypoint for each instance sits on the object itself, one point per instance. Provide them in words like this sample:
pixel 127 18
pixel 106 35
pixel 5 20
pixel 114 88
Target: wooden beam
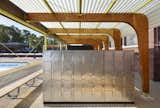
pixel 98 39
pixel 92 42
pixel 114 33
pixel 11 11
pixel 83 41
pixel 39 26
pixel 75 17
pixel 82 30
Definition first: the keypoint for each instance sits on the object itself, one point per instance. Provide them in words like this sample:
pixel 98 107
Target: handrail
pixel 34 48
pixel 8 88
pixel 8 49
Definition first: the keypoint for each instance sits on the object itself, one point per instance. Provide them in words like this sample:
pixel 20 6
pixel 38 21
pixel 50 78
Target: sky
pixel 8 22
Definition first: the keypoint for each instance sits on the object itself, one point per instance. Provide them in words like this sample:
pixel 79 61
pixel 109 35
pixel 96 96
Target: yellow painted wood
pixel 45 43
pixel 5 13
pixel 111 5
pixel 143 5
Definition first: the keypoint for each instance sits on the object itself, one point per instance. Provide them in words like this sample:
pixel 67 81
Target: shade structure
pixel 84 14
pixel 93 6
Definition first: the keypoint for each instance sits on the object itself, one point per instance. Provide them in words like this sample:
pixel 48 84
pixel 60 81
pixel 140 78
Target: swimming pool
pixel 10 65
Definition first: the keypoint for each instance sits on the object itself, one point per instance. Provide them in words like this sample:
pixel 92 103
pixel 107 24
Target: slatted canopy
pixel 96 14
pixel 148 7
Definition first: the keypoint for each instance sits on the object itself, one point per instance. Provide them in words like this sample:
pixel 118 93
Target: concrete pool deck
pixel 153 101
pixel 20 59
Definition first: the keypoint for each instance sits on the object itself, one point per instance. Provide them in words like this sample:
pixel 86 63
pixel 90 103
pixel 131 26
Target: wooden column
pixel 117 39
pixel 140 24
pixel 106 42
pixel 45 43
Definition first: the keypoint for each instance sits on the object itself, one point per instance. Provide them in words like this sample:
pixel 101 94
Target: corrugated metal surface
pixel 88 76
pixel 126 6
pixel 71 24
pixel 31 5
pixel 51 24
pixel 64 6
pixel 95 6
pixel 147 7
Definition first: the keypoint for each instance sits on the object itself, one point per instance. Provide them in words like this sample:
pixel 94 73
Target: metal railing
pixel 13 79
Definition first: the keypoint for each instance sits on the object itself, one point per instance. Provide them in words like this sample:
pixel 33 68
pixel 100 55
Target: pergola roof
pixel 90 6
pixel 146 7
pixel 87 6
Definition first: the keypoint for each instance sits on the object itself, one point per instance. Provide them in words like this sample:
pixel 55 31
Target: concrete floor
pixel 153 101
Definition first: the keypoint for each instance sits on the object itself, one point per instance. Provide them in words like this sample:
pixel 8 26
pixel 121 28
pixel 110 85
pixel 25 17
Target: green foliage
pixel 4 38
pixel 52 42
pixel 13 34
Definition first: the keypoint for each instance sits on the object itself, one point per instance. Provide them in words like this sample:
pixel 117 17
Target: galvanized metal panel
pixel 89 76
pixel 109 75
pixel 129 74
pixel 118 68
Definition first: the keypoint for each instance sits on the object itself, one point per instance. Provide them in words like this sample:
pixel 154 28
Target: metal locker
pixel 88 76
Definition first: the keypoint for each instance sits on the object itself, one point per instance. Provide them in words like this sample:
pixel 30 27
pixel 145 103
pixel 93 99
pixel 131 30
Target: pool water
pixel 10 65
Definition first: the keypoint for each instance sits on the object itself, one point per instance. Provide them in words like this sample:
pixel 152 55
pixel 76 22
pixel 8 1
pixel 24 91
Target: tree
pixel 4 37
pixel 14 34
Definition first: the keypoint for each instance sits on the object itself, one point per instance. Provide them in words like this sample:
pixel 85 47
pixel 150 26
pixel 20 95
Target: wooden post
pixel 45 43
pixel 141 27
pixel 117 39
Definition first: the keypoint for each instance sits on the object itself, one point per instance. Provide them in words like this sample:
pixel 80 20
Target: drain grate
pixel 89 105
